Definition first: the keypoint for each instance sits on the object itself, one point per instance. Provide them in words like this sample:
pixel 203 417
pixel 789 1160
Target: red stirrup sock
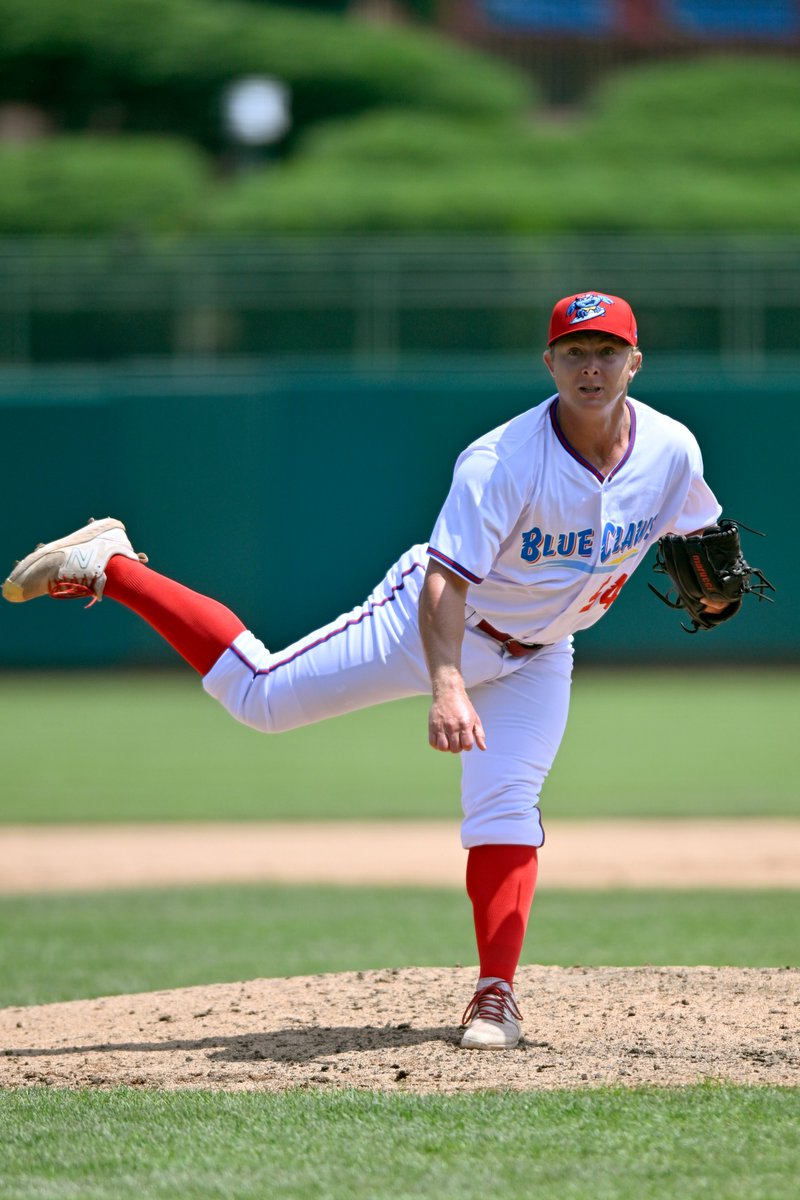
pixel 199 628
pixel 500 883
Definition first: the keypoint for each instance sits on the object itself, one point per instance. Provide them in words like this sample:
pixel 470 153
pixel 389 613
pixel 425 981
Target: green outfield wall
pixel 286 492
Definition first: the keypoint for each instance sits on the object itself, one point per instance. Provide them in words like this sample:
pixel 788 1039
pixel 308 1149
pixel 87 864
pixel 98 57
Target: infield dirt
pixel 398 1029
pixel 743 853
pixel 389 1030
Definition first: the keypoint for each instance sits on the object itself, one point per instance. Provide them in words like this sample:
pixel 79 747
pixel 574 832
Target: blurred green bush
pixel 723 111
pixel 707 145
pixel 393 130
pixel 72 184
pixel 161 65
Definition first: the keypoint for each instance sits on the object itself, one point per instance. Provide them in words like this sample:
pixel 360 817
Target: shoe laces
pixel 77 588
pixel 492 1003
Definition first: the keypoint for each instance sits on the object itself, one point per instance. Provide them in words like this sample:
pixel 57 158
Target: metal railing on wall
pixel 385 300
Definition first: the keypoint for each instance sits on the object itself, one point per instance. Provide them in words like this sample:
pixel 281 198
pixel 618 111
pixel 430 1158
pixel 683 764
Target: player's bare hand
pixel 715 605
pixel 454 725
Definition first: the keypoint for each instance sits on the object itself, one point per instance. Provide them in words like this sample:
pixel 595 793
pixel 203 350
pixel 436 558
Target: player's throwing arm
pixel 453 723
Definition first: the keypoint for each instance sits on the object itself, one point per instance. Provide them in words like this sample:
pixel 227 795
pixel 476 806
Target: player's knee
pixel 509 817
pixel 260 717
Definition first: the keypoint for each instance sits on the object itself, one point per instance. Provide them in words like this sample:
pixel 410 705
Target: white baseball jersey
pixel 545 541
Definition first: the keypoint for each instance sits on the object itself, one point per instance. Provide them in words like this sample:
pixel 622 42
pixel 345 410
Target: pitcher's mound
pixel 398 1030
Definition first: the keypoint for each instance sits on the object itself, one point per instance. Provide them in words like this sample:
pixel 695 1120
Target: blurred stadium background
pixel 265 269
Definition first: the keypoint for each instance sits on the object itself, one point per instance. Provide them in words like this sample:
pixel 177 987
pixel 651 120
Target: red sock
pixel 500 883
pixel 199 628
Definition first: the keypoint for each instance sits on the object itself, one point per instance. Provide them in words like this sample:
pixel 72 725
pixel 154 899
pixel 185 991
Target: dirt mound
pixel 397 1030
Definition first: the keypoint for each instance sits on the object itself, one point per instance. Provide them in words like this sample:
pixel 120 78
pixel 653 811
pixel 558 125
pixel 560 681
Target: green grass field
pixel 87 747
pixel 639 743
pixel 63 947
pixel 691 1143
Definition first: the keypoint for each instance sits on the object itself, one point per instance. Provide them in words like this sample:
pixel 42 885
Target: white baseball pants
pixel 374 654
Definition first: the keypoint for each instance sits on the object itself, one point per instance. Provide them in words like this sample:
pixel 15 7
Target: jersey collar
pixel 579 457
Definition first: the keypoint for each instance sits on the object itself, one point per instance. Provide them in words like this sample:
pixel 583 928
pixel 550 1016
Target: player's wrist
pixel 447 679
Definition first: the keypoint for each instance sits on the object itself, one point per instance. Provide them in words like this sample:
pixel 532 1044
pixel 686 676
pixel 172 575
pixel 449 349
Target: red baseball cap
pixel 593 312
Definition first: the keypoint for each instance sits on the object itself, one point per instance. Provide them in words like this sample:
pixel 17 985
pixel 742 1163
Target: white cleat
pixel 492 1019
pixel 73 566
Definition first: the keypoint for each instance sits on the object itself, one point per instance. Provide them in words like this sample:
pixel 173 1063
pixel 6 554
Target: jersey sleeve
pixel 701 507
pixel 481 508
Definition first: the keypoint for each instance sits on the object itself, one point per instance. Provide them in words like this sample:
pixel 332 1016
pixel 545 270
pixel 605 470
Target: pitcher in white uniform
pixel 546 519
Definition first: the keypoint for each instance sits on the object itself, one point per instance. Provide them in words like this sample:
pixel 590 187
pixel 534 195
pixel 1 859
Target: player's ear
pixel 636 361
pixel 548 361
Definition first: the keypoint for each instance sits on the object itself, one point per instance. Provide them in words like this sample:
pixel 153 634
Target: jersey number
pixel 606 594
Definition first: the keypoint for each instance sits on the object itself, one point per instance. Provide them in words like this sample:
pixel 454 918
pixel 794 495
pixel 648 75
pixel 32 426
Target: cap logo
pixel 587 307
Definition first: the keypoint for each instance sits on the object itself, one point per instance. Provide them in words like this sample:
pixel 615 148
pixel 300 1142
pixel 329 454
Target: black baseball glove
pixel 708 566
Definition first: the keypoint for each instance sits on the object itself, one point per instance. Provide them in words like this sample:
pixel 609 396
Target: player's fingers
pixel 441 739
pixel 458 741
pixel 450 739
pixel 455 733
pixel 454 740
pixel 473 736
pixel 438 740
pixel 466 740
pixel 447 744
pixel 450 743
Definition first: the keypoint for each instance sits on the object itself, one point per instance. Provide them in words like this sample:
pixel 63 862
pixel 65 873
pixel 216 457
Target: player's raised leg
pixel 72 566
pixel 364 657
pixel 367 656
pixel 98 560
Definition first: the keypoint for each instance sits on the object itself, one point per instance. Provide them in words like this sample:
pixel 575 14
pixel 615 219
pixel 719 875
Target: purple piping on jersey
pixel 450 562
pixel 579 457
pixel 284 662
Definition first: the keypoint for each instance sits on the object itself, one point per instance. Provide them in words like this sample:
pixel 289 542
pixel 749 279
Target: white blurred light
pixel 257 110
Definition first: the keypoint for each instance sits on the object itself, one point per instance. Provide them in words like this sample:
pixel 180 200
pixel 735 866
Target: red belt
pixel 515 649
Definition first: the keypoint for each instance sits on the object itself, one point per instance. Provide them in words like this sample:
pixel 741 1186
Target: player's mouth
pixel 587 390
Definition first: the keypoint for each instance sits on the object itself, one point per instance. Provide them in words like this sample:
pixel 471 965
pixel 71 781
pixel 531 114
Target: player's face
pixel 592 370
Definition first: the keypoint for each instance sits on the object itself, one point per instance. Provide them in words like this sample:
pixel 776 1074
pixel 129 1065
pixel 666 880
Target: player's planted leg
pixel 492 1019
pixel 500 883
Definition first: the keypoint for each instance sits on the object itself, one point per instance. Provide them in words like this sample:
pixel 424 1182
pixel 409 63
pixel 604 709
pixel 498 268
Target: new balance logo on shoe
pixel 78 559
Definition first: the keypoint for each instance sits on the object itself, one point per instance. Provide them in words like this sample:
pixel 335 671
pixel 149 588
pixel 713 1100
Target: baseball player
pixel 547 518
